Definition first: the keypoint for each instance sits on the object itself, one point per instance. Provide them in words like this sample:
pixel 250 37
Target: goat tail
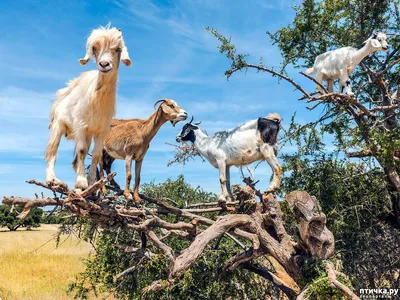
pixel 274 117
pixel 310 70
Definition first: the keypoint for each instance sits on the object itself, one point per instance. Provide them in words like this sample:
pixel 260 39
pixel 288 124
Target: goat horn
pixel 161 100
pixel 197 123
pixel 191 120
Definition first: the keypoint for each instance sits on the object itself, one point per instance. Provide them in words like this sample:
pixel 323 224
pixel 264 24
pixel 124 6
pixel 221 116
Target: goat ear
pixel 88 56
pixel 125 57
pixel 375 43
pixel 84 61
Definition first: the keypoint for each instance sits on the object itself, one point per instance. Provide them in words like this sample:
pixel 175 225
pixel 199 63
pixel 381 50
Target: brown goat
pixel 130 139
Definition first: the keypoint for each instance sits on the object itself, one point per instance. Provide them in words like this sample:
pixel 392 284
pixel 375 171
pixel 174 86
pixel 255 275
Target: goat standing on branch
pixel 243 145
pixel 130 140
pixel 84 109
pixel 340 63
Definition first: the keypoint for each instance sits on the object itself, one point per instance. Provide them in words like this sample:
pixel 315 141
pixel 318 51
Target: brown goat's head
pixel 171 111
pixel 108 47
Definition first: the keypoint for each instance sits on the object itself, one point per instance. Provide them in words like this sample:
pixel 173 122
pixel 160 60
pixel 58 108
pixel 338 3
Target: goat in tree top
pixel 340 63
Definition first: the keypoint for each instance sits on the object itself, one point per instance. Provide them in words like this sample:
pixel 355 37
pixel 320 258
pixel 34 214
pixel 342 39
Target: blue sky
pixel 172 56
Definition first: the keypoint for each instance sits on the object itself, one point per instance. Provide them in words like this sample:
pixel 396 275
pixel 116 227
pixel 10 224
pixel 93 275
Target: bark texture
pixel 270 251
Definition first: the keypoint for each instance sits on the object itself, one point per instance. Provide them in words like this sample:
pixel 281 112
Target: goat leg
pixel 107 163
pixel 270 157
pixel 96 157
pixel 222 179
pixel 128 167
pixel 138 168
pixel 82 147
pixel 101 175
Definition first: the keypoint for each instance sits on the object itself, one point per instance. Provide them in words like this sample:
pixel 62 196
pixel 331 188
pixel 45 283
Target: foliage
pixel 53 218
pixel 238 61
pixel 314 276
pixel 356 200
pixel 359 197
pixel 8 218
pixel 320 26
pixel 206 280
pixel 323 25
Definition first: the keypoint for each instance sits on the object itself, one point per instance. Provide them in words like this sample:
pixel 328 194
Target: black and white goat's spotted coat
pixel 253 141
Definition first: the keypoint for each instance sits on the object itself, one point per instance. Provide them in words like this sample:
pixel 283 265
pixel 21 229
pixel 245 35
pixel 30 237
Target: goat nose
pixel 104 64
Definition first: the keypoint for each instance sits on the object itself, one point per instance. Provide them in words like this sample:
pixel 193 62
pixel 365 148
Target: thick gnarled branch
pixel 262 227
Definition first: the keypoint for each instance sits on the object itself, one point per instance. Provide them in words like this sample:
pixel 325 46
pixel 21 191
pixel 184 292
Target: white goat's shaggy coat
pixel 240 146
pixel 340 63
pixel 84 109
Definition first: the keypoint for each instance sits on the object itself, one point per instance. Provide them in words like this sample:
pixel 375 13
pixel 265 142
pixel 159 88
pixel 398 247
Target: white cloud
pixel 195 80
pixel 21 103
pixel 27 72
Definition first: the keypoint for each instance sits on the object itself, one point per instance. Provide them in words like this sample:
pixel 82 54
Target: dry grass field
pixel 42 274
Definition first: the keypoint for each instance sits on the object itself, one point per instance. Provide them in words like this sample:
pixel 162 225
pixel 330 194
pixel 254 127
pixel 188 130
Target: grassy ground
pixel 42 274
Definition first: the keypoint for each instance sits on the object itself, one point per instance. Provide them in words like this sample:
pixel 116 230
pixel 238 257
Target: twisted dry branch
pixel 260 232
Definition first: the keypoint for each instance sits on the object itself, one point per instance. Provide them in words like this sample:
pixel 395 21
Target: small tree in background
pixel 8 218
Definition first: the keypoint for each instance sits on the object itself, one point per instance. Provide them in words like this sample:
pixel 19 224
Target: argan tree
pixel 366 126
pixel 286 243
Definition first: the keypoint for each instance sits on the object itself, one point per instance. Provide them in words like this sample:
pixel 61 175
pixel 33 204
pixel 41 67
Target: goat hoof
pixel 270 190
pixel 104 190
pixel 81 183
pixel 222 199
pixel 137 199
pixel 128 196
pixel 53 181
pixel 78 191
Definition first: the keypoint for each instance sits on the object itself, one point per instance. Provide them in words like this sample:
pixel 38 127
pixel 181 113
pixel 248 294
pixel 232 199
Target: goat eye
pixel 172 106
pixel 118 49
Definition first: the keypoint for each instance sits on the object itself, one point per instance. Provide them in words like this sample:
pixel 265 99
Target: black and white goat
pixel 253 141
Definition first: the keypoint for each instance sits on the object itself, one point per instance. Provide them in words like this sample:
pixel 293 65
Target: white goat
pixel 340 63
pixel 84 109
pixel 250 142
